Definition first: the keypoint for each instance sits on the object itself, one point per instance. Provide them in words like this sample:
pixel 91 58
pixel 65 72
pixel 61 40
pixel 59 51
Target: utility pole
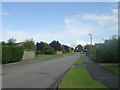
pixel 91 44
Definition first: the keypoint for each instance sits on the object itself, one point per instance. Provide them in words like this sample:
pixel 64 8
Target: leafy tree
pixel 72 49
pixel 66 48
pixel 87 49
pixel 48 49
pixel 56 45
pixel 11 41
pixel 29 44
pixel 40 47
pixel 78 48
pixel 3 43
pixel 44 48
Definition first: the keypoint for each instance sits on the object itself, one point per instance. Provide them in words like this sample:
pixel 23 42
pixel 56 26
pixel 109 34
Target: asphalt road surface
pixel 102 75
pixel 36 74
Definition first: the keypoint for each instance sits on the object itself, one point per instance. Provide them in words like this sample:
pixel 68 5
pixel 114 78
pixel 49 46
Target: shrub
pixel 44 48
pixel 6 54
pixel 48 49
pixel 29 44
pixel 100 54
pixel 11 54
pixel 108 52
pixel 17 53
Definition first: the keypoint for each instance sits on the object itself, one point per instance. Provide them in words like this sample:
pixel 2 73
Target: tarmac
pixel 102 75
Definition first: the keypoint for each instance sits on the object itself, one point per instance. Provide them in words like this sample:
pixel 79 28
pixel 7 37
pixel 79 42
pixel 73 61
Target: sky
pixel 68 22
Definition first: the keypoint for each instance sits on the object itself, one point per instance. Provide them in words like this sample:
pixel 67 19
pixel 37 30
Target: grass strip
pixel 46 57
pixel 79 78
pixel 115 69
pixel 80 61
pixel 49 57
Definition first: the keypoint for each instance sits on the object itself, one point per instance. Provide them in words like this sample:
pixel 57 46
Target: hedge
pixel 17 53
pixel 101 55
pixel 11 54
pixel 6 54
pixel 108 52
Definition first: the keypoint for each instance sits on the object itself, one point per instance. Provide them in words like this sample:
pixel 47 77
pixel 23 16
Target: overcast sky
pixel 69 23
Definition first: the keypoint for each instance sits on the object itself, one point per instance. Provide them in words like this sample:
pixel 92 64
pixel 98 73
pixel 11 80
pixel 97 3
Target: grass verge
pixel 49 57
pixel 78 77
pixel 81 61
pixel 113 68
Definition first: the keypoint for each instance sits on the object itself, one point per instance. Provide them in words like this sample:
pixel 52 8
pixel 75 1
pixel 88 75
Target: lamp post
pixel 91 44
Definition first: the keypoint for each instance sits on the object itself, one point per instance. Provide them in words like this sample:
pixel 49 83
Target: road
pixel 38 74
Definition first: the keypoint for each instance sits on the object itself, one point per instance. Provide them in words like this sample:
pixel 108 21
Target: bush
pixel 108 52
pixel 100 54
pixel 48 49
pixel 11 54
pixel 6 54
pixel 44 48
pixel 17 53
pixel 29 44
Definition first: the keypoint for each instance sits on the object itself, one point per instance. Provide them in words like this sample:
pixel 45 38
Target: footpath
pixel 102 75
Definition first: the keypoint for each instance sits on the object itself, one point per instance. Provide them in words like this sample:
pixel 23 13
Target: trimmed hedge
pixel 17 53
pixel 6 54
pixel 108 52
pixel 11 54
pixel 101 55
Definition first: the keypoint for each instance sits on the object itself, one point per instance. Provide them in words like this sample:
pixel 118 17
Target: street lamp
pixel 91 44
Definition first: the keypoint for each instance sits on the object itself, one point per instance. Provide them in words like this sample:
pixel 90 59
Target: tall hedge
pixel 108 52
pixel 6 54
pixel 11 54
pixel 17 53
pixel 100 54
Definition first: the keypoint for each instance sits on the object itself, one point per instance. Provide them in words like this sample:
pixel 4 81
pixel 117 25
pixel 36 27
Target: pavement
pixel 38 74
pixel 102 75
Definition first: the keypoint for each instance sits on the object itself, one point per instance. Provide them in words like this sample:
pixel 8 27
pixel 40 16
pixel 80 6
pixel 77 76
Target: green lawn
pixel 46 57
pixel 68 54
pixel 80 61
pixel 79 78
pixel 113 68
pixel 49 57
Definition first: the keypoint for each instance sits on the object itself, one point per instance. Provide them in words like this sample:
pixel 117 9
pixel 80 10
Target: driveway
pixel 36 74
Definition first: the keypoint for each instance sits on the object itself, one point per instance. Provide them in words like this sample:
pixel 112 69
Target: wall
pixel 58 52
pixel 28 55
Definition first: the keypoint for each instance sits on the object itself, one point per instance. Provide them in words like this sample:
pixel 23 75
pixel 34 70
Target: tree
pixel 48 49
pixel 29 44
pixel 44 48
pixel 56 45
pixel 79 48
pixel 72 49
pixel 66 48
pixel 40 47
pixel 3 43
pixel 11 41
